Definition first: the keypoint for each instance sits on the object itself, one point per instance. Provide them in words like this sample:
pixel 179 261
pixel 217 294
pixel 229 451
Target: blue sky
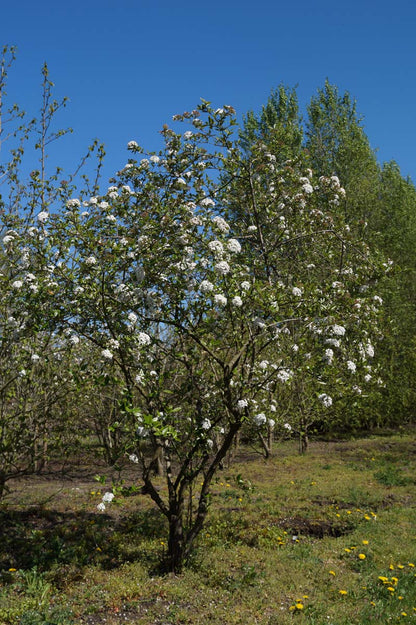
pixel 129 65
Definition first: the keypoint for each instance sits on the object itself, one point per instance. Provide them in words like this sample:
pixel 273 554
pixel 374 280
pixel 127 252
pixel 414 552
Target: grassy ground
pixel 327 538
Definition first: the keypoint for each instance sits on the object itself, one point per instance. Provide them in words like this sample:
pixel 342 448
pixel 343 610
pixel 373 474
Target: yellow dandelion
pixel 337 514
pixel 367 518
pixel 365 542
pixel 400 566
pixel 373 603
pixel 12 570
pixel 343 592
pixel 391 588
pixel 391 567
pixel 400 597
pixel 332 573
pixel 361 556
pixel 395 580
pixel 347 550
pixel 349 512
pixel 305 596
pixel 410 564
pixel 404 613
pixel 299 606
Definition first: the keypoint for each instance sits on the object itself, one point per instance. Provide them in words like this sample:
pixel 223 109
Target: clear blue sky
pixel 129 65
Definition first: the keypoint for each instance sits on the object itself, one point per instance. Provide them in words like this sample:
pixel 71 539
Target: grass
pixel 325 538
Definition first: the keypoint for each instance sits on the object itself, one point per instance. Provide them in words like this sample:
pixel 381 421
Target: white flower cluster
pixel 107 498
pixel 284 375
pixel 220 299
pixel 241 404
pixel 325 399
pixel 260 419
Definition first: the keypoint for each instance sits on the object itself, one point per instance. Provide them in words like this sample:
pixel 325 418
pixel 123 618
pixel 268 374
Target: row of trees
pixel 380 204
pixel 222 285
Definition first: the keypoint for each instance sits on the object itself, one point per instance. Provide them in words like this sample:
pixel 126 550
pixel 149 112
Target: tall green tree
pixel 337 145
pixel 279 125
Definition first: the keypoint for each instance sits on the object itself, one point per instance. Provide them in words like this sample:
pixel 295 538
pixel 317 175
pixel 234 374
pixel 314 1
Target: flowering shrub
pixel 206 319
pixel 200 318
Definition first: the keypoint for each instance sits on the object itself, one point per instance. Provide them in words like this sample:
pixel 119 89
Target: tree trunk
pixel 176 542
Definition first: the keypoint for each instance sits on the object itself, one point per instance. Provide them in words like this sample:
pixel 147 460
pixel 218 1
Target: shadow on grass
pixel 49 540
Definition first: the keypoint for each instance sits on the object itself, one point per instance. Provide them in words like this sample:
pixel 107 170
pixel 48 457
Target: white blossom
pixel 241 404
pixel 220 299
pixel 296 291
pixel 222 268
pixel 216 247
pixel 369 350
pixel 329 356
pixel 132 317
pixel 234 246
pixel 132 145
pixel 333 342
pixel 91 260
pixel 17 284
pixel 237 301
pixel 206 202
pixel 143 339
pixel 133 458
pixel 220 224
pixel 351 366
pixel 73 203
pixel 245 285
pixel 206 424
pixel 105 353
pixel 206 286
pixel 337 330
pixel 101 507
pixel 108 497
pixel 260 419
pixel 43 217
pixel 284 375
pixel 325 399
